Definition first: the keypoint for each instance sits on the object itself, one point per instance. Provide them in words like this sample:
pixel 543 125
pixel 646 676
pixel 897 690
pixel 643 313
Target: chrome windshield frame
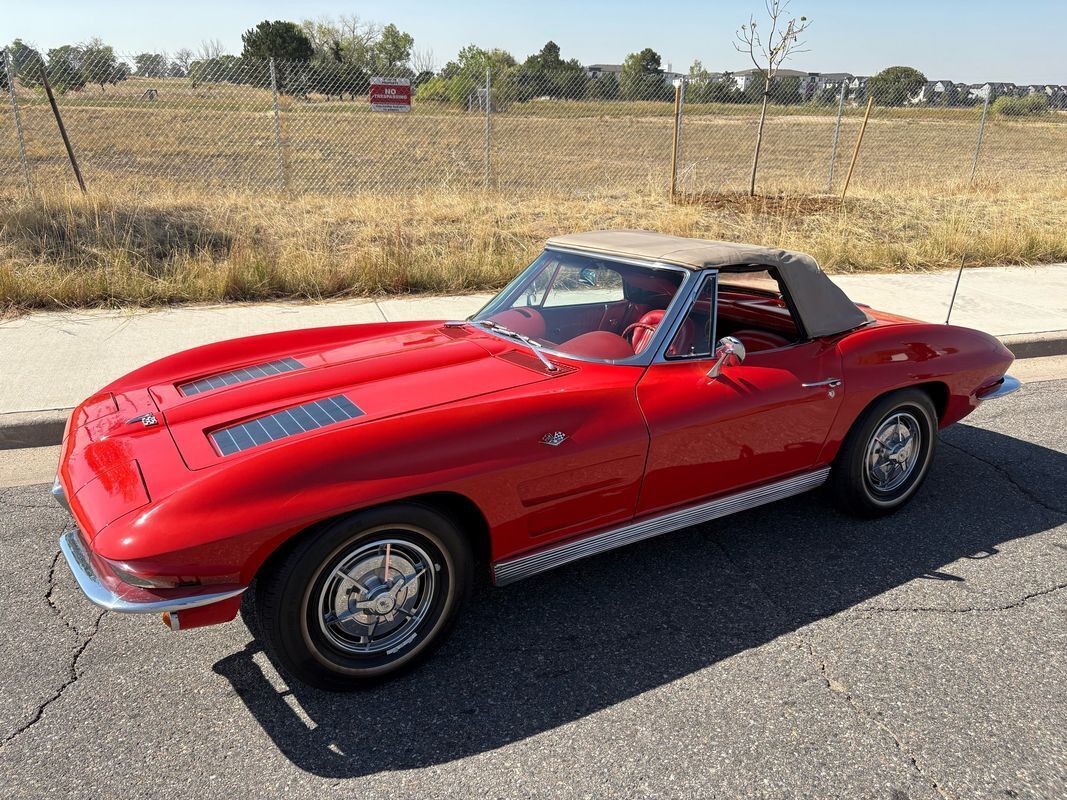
pixel 683 309
pixel 505 299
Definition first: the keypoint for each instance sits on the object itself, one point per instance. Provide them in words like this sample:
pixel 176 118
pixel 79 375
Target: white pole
pixel 18 122
pixel 282 182
pixel 488 126
pixel 837 136
pixel 981 133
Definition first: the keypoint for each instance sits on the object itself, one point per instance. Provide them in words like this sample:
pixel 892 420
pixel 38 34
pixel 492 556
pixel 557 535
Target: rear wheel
pixel 364 598
pixel 885 457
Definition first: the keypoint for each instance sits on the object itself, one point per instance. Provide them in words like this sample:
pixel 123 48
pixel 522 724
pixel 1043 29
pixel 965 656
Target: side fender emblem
pixel 148 420
pixel 554 439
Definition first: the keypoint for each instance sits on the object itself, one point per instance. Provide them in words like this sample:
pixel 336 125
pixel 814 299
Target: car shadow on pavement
pixel 558 647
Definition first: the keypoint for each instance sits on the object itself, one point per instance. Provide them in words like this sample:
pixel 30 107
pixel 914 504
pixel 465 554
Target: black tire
pixel 296 596
pixel 854 483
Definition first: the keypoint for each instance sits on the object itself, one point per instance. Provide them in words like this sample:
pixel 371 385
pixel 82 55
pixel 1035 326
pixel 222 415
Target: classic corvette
pixel 347 485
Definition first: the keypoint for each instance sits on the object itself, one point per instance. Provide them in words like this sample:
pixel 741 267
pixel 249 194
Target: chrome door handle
pixel 829 383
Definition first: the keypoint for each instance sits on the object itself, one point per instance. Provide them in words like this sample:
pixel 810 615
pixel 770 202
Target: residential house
pixel 746 77
pixel 982 90
pixel 596 70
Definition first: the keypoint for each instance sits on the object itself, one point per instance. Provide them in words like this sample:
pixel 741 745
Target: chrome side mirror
pixel 730 352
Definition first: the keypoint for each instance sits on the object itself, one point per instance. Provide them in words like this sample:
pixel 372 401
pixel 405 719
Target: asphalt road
pixel 784 652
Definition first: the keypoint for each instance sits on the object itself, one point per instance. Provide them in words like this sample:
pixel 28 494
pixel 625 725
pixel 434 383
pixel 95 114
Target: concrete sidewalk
pixel 51 361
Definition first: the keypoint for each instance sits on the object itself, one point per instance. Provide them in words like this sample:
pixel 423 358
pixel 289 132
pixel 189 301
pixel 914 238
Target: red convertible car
pixel 349 484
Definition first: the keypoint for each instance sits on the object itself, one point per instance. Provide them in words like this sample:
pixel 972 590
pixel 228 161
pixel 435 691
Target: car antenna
pixel 955 288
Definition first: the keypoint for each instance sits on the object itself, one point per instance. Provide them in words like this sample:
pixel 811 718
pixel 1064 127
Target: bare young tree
pixel 768 53
pixel 210 49
pixel 423 61
pixel 183 57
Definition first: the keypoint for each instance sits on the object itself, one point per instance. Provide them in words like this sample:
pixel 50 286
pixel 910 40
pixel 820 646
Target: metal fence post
pixel 488 125
pixel 62 128
pixel 282 182
pixel 981 133
pixel 837 136
pixel 676 149
pixel 859 141
pixel 18 122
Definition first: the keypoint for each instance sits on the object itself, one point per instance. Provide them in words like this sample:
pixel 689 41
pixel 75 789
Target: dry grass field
pixel 185 199
pixel 66 250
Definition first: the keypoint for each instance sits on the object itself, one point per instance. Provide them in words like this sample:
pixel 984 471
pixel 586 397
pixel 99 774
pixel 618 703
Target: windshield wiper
pixel 526 340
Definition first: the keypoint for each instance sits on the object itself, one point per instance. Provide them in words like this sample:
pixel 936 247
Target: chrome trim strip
pixel 90 583
pixel 515 569
pixel 1007 385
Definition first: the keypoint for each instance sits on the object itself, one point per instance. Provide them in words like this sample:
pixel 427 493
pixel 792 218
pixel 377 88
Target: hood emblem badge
pixel 148 420
pixel 554 439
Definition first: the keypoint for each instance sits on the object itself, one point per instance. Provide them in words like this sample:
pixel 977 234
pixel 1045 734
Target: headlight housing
pixel 124 574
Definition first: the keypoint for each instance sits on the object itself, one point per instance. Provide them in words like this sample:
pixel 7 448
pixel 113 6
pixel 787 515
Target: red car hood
pixel 382 376
pixel 113 462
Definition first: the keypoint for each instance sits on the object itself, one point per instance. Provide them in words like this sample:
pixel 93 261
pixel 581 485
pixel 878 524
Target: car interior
pixel 603 310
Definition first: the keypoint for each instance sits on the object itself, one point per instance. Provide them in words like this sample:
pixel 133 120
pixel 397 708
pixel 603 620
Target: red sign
pixel 390 94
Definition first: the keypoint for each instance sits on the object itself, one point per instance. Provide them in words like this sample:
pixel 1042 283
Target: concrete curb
pixel 1037 345
pixel 44 428
pixel 32 428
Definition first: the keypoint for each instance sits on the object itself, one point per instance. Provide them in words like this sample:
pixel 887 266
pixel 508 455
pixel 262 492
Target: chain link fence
pixel 233 124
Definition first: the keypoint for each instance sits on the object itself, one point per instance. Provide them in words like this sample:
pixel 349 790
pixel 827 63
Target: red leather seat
pixel 644 329
pixel 598 344
pixel 755 340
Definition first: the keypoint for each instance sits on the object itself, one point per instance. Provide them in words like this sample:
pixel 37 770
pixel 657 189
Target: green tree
pixel 221 69
pixel 392 52
pixel 282 40
pixel 99 64
pixel 604 87
pixel 642 76
pixel 26 63
pixel 346 40
pixel 1033 104
pixel 894 86
pixel 466 75
pixel 65 69
pixel 786 91
pixel 150 65
pixel 545 73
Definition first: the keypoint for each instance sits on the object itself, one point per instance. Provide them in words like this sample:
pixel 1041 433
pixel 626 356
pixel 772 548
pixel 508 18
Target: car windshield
pixel 584 306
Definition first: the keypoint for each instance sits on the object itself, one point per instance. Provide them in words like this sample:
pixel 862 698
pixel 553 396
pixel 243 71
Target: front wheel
pixel 885 455
pixel 365 597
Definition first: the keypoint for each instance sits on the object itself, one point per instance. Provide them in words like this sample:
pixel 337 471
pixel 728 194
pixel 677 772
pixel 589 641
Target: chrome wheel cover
pixel 376 596
pixel 893 452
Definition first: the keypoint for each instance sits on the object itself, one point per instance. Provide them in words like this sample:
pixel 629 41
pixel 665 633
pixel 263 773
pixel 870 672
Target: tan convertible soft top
pixel 823 308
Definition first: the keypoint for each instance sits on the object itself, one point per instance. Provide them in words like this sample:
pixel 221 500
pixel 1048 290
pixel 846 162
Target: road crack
pixel 863 613
pixel 72 678
pixel 1021 487
pixel 834 686
pixel 73 674
pixel 838 689
pixel 50 592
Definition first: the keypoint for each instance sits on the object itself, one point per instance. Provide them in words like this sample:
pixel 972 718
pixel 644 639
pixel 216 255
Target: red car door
pixel 763 419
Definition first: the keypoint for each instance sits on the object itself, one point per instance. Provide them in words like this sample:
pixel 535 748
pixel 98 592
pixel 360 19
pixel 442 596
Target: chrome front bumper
pixel 125 598
pixel 1002 388
pixel 59 494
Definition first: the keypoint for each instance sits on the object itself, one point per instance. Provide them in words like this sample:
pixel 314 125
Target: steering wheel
pixel 640 333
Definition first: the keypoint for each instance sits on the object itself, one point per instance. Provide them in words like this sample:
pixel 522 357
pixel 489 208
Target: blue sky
pixel 963 41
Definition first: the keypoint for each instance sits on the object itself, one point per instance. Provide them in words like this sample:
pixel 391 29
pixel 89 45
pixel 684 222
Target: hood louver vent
pixel 242 375
pixel 282 424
